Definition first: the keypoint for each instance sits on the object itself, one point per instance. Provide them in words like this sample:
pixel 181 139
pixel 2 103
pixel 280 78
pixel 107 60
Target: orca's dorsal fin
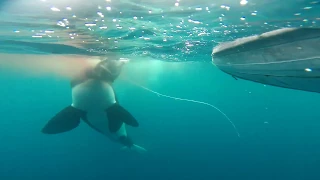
pixel 66 120
pixel 117 115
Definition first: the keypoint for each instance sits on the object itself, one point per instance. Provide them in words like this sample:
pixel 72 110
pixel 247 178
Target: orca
pixel 94 102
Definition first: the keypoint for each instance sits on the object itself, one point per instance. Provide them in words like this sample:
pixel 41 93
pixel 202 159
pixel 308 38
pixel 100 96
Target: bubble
pixel 306 8
pixel 55 9
pixel 100 14
pixel 49 31
pixel 243 2
pixel 90 24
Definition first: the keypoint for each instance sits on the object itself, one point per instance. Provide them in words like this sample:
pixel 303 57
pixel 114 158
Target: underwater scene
pixel 160 90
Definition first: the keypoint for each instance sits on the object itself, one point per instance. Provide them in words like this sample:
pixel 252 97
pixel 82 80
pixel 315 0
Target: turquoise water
pixel 169 48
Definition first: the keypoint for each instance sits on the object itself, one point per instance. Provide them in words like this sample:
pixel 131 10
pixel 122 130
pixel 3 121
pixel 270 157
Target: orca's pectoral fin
pixel 117 115
pixel 66 120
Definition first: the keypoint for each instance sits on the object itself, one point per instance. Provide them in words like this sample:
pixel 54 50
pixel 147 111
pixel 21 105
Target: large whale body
pixel 288 58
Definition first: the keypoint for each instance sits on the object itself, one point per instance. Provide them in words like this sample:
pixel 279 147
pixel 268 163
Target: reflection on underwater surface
pixel 44 43
pixel 135 28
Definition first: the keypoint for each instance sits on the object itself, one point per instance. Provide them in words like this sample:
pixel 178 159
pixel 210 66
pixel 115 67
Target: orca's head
pixel 110 69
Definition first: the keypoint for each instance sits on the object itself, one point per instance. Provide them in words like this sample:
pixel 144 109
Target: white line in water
pixel 189 100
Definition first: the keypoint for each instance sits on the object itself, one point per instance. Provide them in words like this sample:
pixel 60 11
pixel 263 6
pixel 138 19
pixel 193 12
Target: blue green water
pixel 169 50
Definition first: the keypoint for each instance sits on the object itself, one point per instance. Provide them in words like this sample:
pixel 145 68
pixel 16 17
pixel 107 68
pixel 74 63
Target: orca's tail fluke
pixel 138 149
pixel 129 145
pixel 135 148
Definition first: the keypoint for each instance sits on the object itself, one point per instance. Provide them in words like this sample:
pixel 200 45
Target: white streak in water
pixel 189 100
